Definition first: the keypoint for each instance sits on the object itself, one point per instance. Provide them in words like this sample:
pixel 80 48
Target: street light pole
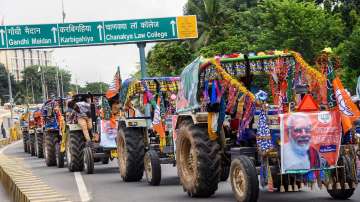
pixel 10 89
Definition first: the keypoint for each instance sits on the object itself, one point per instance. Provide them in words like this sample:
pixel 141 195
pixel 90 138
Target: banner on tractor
pixel 108 133
pixel 187 95
pixel 309 141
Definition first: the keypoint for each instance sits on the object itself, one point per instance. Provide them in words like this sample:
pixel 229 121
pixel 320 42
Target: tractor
pixel 145 139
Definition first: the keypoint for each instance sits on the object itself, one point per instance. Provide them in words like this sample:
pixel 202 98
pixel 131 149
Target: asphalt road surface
pixel 106 185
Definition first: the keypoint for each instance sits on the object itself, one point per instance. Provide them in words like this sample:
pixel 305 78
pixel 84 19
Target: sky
pixel 94 63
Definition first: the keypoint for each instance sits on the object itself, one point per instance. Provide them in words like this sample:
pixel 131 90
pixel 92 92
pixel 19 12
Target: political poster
pixel 108 133
pixel 309 141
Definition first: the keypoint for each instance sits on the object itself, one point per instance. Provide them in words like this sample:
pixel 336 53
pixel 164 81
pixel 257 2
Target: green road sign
pixel 97 33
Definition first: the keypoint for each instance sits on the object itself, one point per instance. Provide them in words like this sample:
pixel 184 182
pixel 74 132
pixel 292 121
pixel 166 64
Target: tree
pixel 349 52
pixel 303 27
pixel 168 59
pixel 210 18
pixel 4 87
pixel 95 87
pixel 32 79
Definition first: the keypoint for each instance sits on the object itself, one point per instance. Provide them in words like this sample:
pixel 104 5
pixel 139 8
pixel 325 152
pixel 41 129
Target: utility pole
pixel 32 91
pixel 62 84
pixel 76 85
pixel 10 89
pixel 57 82
pixel 63 11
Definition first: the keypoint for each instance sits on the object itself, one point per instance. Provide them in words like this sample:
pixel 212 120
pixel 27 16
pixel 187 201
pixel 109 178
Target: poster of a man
pixel 298 148
pixel 303 142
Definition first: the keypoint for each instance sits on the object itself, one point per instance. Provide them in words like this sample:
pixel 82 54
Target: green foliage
pixel 303 27
pixel 349 52
pixel 32 80
pixel 228 26
pixel 210 19
pixel 94 87
pixel 4 87
pixel 168 59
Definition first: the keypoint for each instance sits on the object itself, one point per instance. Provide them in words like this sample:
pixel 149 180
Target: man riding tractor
pixel 89 138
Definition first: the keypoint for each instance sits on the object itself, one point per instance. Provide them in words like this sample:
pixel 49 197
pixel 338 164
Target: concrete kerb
pixel 21 184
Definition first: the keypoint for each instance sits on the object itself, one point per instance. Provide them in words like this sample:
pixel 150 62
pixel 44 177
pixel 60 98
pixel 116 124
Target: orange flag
pixel 158 124
pixel 348 110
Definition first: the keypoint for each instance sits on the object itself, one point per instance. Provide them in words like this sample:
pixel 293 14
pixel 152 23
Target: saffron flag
pixel 348 110
pixel 158 125
pixel 115 86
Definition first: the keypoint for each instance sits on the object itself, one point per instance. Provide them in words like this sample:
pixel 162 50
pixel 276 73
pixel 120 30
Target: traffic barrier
pixel 22 185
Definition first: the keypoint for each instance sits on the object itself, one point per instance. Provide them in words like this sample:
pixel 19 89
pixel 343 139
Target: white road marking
pixel 9 145
pixel 84 194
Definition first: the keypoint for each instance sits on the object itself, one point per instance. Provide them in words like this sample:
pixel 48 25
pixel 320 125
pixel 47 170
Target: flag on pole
pixel 348 110
pixel 115 86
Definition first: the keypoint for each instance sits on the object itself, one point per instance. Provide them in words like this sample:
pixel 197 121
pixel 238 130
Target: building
pixel 18 60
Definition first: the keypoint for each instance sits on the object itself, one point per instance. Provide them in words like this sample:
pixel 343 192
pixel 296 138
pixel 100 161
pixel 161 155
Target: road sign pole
pixel 141 47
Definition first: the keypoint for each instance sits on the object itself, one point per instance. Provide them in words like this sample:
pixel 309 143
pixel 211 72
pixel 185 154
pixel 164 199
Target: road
pixel 106 185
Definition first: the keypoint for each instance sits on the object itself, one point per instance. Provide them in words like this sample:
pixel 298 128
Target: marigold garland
pixel 313 73
pixel 233 82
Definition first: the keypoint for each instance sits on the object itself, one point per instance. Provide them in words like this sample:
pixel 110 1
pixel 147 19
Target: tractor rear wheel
pixel 50 150
pixel 198 160
pixel 39 145
pixel 130 146
pixel 75 151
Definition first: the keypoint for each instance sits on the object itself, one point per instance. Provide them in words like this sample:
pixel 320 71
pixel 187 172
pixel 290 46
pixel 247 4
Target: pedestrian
pixel 3 131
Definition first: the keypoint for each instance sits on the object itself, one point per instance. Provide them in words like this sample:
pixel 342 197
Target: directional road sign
pixel 97 33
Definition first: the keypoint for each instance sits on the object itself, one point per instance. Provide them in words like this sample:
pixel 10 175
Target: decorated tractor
pixel 293 137
pixel 24 125
pixel 38 139
pixel 30 137
pixel 54 128
pixel 145 138
pixel 80 151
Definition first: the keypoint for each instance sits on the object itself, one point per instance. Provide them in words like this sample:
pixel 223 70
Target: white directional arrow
pixel 53 29
pixel 99 27
pixel 173 26
pixel 2 37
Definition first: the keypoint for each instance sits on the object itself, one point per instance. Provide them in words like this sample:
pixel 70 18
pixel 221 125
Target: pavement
pixel 106 185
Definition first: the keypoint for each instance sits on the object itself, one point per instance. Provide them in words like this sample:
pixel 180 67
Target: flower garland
pixel 233 82
pixel 313 73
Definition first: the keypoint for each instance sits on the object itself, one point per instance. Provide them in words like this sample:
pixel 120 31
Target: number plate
pixel 114 153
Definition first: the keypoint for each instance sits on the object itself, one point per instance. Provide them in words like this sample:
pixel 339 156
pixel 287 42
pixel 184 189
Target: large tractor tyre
pixel 130 147
pixel 32 144
pixel 198 160
pixel 75 151
pixel 244 179
pixel 88 160
pixel 152 168
pixel 343 194
pixel 59 156
pixel 50 150
pixel 39 145
pixel 25 139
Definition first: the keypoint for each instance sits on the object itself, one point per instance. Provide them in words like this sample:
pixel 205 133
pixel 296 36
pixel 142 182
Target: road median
pixel 22 185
